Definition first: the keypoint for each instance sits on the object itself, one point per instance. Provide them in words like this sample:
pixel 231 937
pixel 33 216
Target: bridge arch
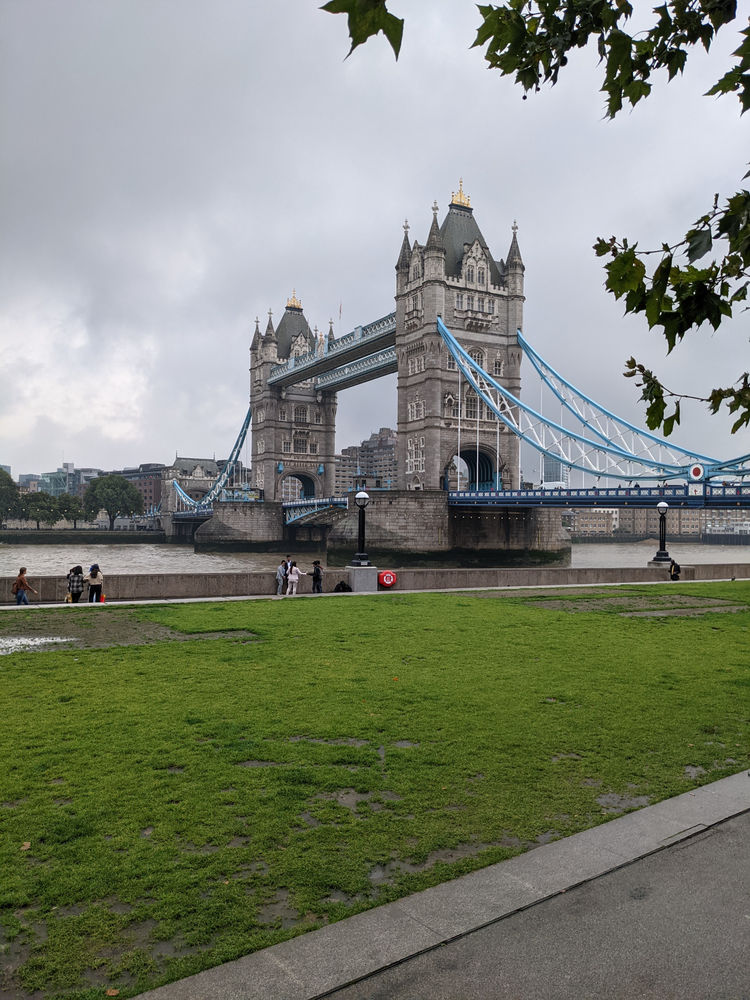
pixel 298 486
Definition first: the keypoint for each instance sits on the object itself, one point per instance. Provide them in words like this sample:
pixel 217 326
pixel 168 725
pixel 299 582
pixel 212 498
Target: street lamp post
pixel 360 559
pixel 662 555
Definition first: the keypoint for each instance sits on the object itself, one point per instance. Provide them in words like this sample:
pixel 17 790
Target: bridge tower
pixel 293 429
pixel 480 300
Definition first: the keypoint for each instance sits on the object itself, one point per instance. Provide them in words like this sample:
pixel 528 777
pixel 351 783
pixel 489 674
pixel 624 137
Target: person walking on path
pixel 95 580
pixel 21 586
pixel 280 578
pixel 75 584
pixel 294 574
pixel 317 577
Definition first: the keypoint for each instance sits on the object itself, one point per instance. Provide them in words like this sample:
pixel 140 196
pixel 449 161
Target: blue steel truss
pixel 603 445
pixel 294 510
pixel 205 504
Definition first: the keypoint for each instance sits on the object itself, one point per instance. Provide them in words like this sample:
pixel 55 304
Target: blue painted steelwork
pixel 296 509
pixel 599 455
pixel 701 495
pixel 346 376
pixel 362 342
pixel 206 502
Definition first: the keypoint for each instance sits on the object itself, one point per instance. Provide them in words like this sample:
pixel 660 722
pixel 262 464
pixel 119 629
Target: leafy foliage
pixel 40 507
pixel 115 495
pixel 367 18
pixel 70 508
pixel 703 276
pixel 8 495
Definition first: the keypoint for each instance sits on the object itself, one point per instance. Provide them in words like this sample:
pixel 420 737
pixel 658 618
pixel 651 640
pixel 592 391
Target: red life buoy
pixel 387 578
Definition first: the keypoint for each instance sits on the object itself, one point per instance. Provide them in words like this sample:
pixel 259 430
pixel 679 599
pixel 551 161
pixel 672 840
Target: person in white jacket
pixel 294 574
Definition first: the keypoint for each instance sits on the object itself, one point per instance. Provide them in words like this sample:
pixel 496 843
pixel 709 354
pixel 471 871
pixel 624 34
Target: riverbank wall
pixel 80 536
pixel 156 586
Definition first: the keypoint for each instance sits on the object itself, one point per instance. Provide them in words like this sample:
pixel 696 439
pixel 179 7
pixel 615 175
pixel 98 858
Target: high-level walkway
pixel 654 904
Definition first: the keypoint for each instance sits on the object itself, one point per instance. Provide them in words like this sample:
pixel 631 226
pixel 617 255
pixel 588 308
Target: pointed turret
pixel 256 336
pixel 402 264
pixel 514 259
pixel 270 335
pixel 435 239
pixel 331 337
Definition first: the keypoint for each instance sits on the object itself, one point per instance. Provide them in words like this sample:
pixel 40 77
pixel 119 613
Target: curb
pixel 313 965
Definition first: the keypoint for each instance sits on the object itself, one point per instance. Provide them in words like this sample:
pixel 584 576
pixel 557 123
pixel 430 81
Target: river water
pixel 51 560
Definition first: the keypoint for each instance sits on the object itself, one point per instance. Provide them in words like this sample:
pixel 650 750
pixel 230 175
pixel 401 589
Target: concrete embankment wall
pixel 206 585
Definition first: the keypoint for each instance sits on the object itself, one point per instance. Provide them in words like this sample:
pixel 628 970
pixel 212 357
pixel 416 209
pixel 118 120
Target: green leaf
pixel 366 18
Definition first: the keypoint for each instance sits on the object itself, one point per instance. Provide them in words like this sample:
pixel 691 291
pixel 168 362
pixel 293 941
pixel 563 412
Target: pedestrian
pixel 75 584
pixel 674 570
pixel 294 574
pixel 95 580
pixel 281 575
pixel 317 577
pixel 21 586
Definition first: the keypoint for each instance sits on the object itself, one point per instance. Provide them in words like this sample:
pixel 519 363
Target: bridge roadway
pixel 366 353
pixel 700 495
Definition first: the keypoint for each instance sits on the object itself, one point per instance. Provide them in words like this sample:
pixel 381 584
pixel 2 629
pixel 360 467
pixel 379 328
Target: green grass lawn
pixel 170 806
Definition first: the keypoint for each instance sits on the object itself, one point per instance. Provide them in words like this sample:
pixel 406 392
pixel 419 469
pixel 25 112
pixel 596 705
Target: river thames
pixel 51 560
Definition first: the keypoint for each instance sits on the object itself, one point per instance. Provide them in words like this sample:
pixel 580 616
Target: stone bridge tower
pixel 293 429
pixel 480 300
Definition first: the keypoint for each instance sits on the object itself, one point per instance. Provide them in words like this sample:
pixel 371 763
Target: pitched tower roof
pixel 460 227
pixel 291 325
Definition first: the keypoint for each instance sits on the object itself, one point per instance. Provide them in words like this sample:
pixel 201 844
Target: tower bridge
pixel 455 342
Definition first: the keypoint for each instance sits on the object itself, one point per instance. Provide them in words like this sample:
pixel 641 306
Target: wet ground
pixel 89 628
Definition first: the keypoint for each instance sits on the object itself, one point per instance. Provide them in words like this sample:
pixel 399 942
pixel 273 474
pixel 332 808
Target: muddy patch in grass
pixel 98 627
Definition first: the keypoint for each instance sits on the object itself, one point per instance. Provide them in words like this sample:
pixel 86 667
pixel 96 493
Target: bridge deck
pixel 683 495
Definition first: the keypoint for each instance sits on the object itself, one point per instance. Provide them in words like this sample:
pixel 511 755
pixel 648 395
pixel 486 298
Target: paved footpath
pixel 655 904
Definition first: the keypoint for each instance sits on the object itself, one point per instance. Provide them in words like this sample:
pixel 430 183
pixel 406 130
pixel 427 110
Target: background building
pixel 369 465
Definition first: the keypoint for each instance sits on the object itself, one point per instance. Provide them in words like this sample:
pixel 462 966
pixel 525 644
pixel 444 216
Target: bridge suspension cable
pixel 602 445
pixel 224 476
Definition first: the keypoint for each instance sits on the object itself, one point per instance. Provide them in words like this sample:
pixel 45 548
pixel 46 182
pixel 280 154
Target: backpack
pixel 342 587
pixel 15 588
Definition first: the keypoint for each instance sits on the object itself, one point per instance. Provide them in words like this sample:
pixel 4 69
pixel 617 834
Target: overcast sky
pixel 171 169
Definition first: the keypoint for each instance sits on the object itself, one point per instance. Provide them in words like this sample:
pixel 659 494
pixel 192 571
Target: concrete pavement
pixel 653 904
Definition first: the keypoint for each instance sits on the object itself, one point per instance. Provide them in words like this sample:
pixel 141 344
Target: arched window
pixel 480 276
pixel 477 356
pixel 300 415
pixel 470 272
pixel 499 367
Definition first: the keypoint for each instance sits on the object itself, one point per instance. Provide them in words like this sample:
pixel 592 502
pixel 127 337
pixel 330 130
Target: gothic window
pixel 261 445
pixel 300 415
pixel 286 447
pixel 459 300
pixel 416 272
pixel 470 273
pixel 477 356
pixel 318 417
pixel 415 302
pixel 499 368
pixel 282 413
pixel 480 303
pixel 490 305
pixel 480 276
pixel 470 409
pixel 313 447
pixel 300 445
pixel 469 301
pixel 451 364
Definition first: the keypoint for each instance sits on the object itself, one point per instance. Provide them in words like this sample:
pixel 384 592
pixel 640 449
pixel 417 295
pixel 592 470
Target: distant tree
pixel 8 496
pixel 689 281
pixel 115 495
pixel 41 507
pixel 70 508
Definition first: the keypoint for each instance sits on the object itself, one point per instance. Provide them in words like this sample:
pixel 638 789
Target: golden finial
pixel 294 302
pixel 458 197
